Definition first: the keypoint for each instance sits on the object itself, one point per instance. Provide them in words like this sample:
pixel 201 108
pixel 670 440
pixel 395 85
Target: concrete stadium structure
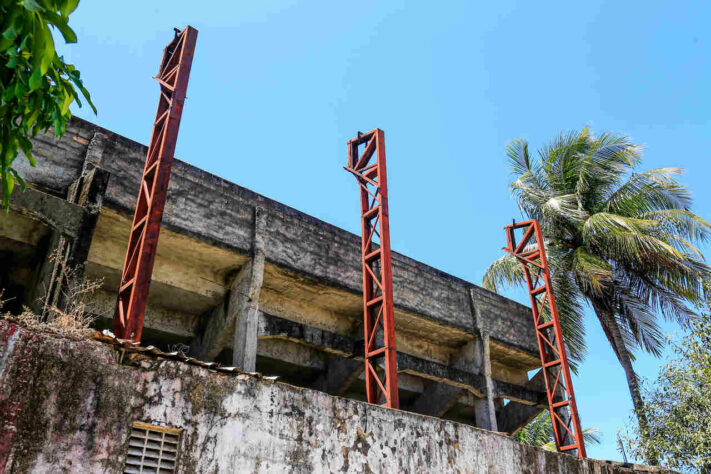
pixel 248 282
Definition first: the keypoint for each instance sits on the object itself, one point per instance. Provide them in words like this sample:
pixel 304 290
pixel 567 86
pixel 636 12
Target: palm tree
pixel 619 241
pixel 539 432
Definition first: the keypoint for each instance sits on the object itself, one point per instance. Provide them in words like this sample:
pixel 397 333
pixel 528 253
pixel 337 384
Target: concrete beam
pixel 437 399
pixel 57 213
pixel 275 327
pixel 339 375
pixel 515 415
pixel 237 321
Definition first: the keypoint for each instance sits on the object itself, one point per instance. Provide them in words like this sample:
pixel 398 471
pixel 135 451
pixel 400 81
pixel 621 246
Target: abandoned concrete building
pixel 258 285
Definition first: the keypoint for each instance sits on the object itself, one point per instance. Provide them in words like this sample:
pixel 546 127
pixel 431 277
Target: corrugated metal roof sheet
pixel 130 346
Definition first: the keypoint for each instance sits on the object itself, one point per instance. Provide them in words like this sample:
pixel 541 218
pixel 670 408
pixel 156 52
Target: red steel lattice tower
pixel 531 252
pixel 143 240
pixel 378 312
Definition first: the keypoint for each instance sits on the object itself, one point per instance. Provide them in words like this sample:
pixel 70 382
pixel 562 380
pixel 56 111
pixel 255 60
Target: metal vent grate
pixel 152 449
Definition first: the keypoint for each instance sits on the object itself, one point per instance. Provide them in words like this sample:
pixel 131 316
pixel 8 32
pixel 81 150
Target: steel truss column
pixel 378 313
pixel 143 240
pixel 531 252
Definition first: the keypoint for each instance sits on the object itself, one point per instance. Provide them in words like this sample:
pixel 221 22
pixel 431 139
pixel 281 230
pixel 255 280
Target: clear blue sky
pixel 278 87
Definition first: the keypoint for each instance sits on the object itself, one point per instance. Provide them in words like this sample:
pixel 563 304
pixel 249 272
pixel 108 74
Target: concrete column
pixel 236 322
pixel 247 307
pixel 485 410
pixel 68 249
pixel 63 268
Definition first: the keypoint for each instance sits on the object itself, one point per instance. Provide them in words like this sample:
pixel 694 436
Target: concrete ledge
pixel 57 213
pixel 68 406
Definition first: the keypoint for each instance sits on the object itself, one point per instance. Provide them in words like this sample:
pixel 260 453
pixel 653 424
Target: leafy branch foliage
pixel 36 85
pixel 678 406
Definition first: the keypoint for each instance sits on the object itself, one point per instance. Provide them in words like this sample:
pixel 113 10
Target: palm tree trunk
pixel 614 336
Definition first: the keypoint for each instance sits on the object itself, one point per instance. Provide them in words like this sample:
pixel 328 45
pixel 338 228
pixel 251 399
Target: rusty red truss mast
pixel 143 240
pixel 378 313
pixel 531 253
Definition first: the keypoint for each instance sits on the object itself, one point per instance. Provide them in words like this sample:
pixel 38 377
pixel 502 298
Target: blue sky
pixel 278 87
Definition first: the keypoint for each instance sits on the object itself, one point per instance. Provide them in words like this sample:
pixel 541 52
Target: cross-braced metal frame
pixel 143 240
pixel 378 314
pixel 531 252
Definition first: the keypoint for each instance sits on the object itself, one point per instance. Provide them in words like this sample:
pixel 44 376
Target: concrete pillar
pixel 62 269
pixel 236 323
pixel 485 411
pixel 244 353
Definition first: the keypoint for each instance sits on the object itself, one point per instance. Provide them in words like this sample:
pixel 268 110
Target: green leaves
pixel 678 405
pixel 37 88
pixel 62 25
pixel 32 5
pixel 43 52
pixel 68 6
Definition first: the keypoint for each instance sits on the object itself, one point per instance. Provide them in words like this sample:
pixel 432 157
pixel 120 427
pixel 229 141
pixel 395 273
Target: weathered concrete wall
pixel 67 406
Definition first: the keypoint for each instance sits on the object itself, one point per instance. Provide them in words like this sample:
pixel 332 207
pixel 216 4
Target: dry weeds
pixel 76 317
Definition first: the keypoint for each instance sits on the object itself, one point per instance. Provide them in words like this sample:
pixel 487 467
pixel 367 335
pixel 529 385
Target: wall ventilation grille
pixel 152 449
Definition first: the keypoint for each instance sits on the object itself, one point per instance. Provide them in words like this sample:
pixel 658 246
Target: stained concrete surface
pixel 68 405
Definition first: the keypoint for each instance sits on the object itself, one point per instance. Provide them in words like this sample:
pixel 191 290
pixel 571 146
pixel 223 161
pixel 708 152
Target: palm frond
pixel 622 238
pixel 680 222
pixel 563 157
pixel 639 322
pixel 592 274
pixel 519 158
pixel 563 208
pixel 505 271
pixel 539 432
pixel 604 168
pixel 572 318
pixel 648 191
